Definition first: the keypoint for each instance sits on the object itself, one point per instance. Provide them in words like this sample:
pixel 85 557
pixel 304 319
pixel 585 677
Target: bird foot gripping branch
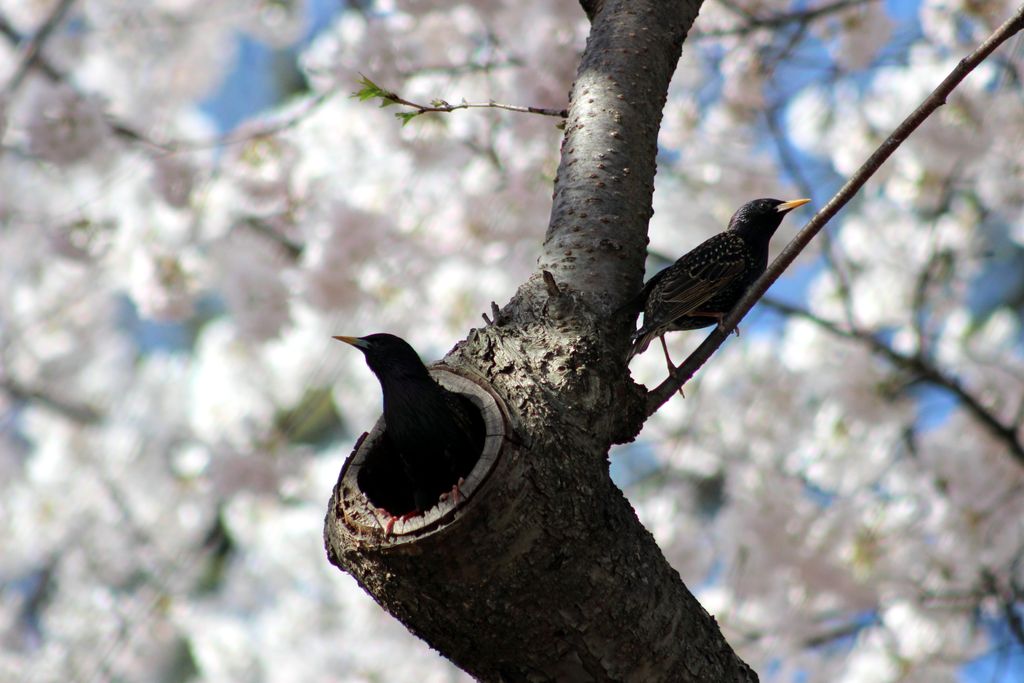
pixel 455 496
pixel 389 528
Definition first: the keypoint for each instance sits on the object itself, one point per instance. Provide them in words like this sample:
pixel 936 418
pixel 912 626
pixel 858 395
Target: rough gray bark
pixel 597 237
pixel 544 572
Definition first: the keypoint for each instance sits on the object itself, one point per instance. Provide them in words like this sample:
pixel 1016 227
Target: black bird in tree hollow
pixel 436 434
pixel 700 288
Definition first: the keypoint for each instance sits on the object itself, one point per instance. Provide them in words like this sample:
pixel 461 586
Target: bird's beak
pixel 784 207
pixel 355 341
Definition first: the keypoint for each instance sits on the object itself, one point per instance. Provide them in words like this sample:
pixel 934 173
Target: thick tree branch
pixel 663 392
pixel 543 570
pixel 595 239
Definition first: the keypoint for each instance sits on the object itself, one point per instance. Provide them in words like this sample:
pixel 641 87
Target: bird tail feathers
pixel 641 340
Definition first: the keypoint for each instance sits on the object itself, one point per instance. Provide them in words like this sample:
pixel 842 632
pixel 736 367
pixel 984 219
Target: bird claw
pixel 721 326
pixel 456 493
pixel 390 526
pixel 672 369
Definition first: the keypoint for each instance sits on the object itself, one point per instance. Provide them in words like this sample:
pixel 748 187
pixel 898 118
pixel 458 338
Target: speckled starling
pixel 436 434
pixel 701 287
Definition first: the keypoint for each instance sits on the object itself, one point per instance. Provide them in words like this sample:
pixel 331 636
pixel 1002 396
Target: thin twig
pixel 919 303
pixel 1009 600
pixel 663 392
pixel 262 130
pixel 444 107
pixel 919 365
pixel 42 64
pixel 80 413
pixel 1013 618
pixel 14 38
pixel 830 634
pixel 262 228
pixel 126 131
pixel 775 21
pixel 32 50
pixel 736 8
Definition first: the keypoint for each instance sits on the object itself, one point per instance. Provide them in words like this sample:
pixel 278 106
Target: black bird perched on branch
pixel 436 434
pixel 701 287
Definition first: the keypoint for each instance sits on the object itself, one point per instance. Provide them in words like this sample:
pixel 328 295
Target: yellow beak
pixel 354 341
pixel 784 206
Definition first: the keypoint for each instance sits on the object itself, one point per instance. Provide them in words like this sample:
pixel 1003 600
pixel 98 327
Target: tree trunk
pixel 542 570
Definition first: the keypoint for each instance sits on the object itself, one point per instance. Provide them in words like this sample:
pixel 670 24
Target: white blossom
pixel 64 127
pixel 832 487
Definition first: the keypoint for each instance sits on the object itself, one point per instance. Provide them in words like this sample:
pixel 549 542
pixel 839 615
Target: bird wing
pixel 700 274
pixel 467 441
pixel 635 304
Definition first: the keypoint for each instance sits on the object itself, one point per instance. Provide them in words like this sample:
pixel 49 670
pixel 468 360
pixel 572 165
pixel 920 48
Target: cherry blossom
pixel 841 486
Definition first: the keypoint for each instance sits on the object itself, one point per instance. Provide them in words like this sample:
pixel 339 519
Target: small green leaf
pixel 369 90
pixel 407 116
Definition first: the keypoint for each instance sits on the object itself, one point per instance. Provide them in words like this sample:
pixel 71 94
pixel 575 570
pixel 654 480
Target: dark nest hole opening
pixel 385 481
